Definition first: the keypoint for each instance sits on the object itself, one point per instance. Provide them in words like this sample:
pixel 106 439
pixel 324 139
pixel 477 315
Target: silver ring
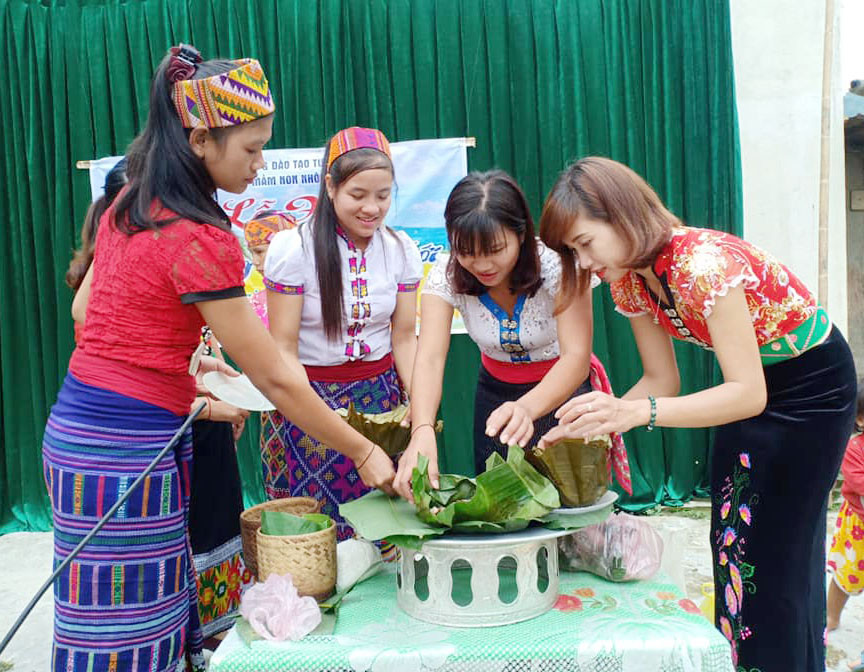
pixel 589 407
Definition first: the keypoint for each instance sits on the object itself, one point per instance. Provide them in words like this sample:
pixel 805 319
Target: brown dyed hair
pixel 480 206
pixel 610 192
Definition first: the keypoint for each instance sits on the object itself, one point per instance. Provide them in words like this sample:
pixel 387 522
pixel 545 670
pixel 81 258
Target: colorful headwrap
pixel 349 139
pixel 259 230
pixel 234 97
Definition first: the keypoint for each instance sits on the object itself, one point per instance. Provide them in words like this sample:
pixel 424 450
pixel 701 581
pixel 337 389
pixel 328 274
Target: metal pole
pixel 69 558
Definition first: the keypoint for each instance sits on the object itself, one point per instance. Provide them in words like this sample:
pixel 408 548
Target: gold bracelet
pixel 368 455
pixel 422 424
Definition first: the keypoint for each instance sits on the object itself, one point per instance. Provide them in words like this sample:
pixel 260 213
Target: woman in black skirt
pixel 783 413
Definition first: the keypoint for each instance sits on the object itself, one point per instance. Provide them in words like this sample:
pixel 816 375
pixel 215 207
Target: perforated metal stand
pixel 480 580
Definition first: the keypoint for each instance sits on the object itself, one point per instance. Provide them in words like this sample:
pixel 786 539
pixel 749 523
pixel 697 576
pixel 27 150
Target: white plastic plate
pixel 608 497
pixel 237 391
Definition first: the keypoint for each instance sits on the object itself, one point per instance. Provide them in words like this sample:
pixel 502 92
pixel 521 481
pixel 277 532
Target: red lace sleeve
pixel 208 264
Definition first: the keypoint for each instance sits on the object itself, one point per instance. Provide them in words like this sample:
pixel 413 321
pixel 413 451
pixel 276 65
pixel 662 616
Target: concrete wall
pixel 855 259
pixel 777 52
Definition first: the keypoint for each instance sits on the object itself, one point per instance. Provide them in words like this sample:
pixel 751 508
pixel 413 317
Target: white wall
pixel 777 53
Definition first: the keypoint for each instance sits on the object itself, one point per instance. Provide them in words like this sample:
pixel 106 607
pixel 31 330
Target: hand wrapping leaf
pixel 578 468
pixel 504 498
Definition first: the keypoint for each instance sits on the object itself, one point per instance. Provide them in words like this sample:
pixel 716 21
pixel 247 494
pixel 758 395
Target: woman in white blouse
pixel 505 283
pixel 342 294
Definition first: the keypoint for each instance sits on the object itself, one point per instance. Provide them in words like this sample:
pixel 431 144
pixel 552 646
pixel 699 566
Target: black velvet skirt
pixel 770 480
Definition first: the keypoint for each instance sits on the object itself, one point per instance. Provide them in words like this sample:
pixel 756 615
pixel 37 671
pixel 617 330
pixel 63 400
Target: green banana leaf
pixel 376 516
pixel 383 429
pixel 504 498
pixel 282 524
pixel 578 468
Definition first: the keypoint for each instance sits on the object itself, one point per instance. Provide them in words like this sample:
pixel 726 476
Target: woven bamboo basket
pixel 250 521
pixel 310 559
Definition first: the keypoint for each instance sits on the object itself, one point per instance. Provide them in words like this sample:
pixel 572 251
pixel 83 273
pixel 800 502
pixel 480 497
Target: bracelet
pixel 368 455
pixel 209 410
pixel 653 419
pixel 423 424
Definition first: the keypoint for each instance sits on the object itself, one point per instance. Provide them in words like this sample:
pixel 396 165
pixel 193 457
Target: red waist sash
pixel 512 372
pixel 349 372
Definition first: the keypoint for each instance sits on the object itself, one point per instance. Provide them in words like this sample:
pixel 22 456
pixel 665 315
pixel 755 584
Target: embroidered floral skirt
pixel 214 526
pixel 770 479
pixel 311 469
pixel 846 557
pixel 128 600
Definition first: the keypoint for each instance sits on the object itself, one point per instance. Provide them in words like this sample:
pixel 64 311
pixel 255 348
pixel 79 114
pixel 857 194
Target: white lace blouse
pixel 532 332
pixel 371 278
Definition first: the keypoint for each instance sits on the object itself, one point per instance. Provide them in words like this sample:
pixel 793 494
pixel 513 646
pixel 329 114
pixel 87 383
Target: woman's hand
pixel 422 443
pixel 376 470
pixel 595 413
pixel 209 363
pixel 518 427
pixel 222 411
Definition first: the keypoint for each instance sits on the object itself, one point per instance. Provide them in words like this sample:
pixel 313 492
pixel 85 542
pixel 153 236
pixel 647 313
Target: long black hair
pixel 325 247
pixel 162 165
pixel 478 208
pixel 115 180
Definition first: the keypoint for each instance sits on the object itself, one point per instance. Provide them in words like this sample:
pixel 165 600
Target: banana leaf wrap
pixel 504 498
pixel 383 429
pixel 579 469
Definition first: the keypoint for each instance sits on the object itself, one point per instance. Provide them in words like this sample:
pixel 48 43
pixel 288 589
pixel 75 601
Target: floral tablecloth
pixel 595 626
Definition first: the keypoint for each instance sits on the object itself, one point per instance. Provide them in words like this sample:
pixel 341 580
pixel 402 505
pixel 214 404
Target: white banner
pixel 426 171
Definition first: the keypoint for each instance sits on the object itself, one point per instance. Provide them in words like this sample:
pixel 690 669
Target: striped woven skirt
pixel 311 469
pixel 128 601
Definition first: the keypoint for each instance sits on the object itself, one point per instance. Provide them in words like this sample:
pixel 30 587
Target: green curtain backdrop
pixel 537 82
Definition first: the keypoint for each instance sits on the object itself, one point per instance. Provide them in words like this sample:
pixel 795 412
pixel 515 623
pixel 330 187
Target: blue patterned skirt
pixel 128 601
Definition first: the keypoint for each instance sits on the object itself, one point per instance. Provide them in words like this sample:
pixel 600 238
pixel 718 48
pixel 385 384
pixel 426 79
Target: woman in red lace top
pixel 165 264
pixel 783 412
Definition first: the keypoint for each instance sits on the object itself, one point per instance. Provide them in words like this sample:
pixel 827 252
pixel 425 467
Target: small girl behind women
pixel 258 232
pixel 846 556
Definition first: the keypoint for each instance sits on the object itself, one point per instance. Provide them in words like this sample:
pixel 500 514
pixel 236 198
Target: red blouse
pixel 142 325
pixel 696 267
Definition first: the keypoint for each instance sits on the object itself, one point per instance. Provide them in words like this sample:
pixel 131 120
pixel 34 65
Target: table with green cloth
pixel 595 626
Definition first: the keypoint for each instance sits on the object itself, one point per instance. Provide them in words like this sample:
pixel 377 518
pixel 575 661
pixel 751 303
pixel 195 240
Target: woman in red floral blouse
pixel 783 412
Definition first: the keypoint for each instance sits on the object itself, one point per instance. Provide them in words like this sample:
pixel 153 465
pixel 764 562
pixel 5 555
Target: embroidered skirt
pixel 314 470
pixel 770 479
pixel 272 446
pixel 214 526
pixel 128 601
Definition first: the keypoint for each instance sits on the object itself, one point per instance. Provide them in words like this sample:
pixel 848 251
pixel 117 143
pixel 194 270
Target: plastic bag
pixel 276 611
pixel 623 548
